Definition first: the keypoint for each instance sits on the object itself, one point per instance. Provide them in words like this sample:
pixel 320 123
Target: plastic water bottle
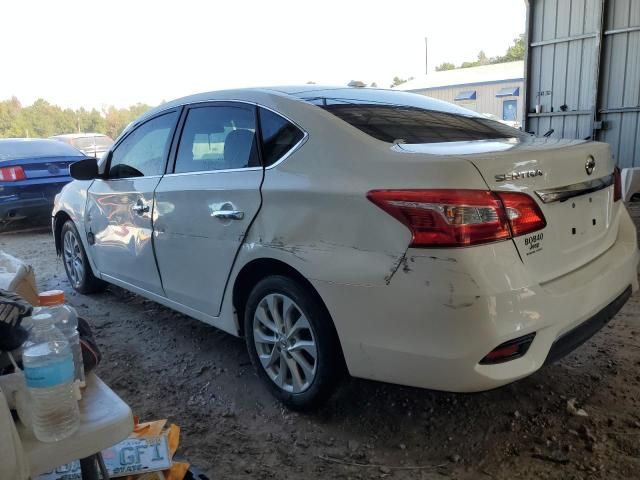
pixel 66 318
pixel 48 370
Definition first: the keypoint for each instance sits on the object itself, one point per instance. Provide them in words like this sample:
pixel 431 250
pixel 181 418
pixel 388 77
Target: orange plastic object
pixel 51 297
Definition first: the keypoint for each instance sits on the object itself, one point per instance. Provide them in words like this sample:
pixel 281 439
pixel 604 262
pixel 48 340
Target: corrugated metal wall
pixel 619 100
pixel 584 56
pixel 486 100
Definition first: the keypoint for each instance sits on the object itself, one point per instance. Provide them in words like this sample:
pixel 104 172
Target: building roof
pixel 466 76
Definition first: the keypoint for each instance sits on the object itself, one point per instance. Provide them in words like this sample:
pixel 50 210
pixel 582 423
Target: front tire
pixel 292 342
pixel 75 261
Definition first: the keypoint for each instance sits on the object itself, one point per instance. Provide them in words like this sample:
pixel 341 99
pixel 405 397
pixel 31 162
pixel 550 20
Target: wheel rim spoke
pixel 288 311
pixel 268 360
pixel 261 337
pixel 281 378
pixel 262 318
pixel 301 324
pixel 307 369
pixel 307 346
pixel 274 305
pixel 296 378
pixel 73 258
pixel 285 343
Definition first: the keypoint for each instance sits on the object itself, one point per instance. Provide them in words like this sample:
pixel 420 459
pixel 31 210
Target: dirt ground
pixel 166 365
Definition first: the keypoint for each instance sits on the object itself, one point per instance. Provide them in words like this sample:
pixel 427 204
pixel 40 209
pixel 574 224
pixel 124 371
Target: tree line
pixel 514 52
pixel 42 119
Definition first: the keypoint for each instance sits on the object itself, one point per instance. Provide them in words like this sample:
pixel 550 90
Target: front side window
pixel 143 152
pixel 278 136
pixel 218 138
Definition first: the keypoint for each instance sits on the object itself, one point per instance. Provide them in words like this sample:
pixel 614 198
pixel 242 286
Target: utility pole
pixel 426 56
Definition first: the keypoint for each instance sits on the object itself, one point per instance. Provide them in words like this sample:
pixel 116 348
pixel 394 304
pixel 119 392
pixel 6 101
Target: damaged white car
pixel 380 233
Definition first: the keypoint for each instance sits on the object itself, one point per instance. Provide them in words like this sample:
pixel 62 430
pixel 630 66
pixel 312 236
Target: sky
pixel 90 53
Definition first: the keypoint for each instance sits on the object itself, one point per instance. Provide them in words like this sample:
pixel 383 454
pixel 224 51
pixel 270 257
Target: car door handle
pixel 228 214
pixel 140 209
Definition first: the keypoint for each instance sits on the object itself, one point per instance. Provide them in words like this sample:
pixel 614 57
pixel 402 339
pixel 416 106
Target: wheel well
pixel 59 220
pixel 255 271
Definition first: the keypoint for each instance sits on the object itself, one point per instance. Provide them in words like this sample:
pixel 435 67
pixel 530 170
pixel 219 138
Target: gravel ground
pixel 166 365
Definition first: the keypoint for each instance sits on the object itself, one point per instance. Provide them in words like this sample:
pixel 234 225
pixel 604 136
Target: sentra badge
pixel 503 177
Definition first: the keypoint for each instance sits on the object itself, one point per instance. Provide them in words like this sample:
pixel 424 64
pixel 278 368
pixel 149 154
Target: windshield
pixel 97 142
pixel 103 142
pixel 407 124
pixel 19 149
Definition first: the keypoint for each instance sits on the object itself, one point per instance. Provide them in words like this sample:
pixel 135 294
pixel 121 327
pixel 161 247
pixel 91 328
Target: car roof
pixel 311 91
pixel 78 135
pixel 34 148
pixel 41 141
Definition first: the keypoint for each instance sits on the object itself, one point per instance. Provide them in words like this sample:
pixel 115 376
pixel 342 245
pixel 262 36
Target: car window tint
pixel 405 124
pixel 278 136
pixel 143 151
pixel 217 138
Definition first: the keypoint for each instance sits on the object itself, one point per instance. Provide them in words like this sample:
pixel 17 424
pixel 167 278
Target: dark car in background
pixel 91 144
pixel 32 173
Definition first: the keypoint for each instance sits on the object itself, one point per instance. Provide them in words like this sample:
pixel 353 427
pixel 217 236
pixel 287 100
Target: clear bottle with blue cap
pixel 49 374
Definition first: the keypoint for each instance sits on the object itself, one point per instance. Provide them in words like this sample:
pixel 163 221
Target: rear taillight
pixel 11 174
pixel 523 213
pixel 459 218
pixel 617 185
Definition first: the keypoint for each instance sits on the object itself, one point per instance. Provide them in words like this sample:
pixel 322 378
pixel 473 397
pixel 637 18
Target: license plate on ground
pixel 129 457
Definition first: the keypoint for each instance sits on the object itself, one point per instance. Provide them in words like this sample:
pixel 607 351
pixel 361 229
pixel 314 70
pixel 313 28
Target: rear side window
pixel 402 124
pixel 218 138
pixel 279 136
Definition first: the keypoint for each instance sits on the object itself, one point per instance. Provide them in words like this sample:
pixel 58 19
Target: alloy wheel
pixel 285 343
pixel 73 258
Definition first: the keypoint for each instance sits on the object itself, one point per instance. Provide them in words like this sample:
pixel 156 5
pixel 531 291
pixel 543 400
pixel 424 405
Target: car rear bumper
pixel 29 198
pixel 444 310
pixel 16 209
pixel 571 340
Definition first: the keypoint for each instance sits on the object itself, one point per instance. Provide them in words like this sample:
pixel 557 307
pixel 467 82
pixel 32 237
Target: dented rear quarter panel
pixel 316 217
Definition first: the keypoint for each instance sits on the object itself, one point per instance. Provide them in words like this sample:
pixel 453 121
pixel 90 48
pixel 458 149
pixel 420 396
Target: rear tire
pixel 75 261
pixel 292 343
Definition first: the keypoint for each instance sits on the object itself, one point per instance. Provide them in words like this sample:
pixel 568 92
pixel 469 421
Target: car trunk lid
pixel 43 167
pixel 578 206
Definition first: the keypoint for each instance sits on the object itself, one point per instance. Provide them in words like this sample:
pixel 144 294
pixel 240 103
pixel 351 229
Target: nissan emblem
pixel 590 165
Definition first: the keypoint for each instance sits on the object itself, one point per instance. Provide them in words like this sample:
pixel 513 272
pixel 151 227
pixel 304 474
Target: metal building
pixel 582 72
pixel 490 89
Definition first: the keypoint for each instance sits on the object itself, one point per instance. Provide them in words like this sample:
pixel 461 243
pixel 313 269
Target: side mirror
pixel 102 164
pixel 86 169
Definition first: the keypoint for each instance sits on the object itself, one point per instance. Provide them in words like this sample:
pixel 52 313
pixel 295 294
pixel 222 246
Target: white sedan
pixel 345 230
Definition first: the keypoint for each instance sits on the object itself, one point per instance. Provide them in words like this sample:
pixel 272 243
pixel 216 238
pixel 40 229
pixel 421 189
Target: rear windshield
pixel 408 124
pixel 105 142
pixel 83 142
pixel 20 149
pixel 90 142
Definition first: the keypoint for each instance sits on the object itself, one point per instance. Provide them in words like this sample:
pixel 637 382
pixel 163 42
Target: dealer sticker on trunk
pixel 533 243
